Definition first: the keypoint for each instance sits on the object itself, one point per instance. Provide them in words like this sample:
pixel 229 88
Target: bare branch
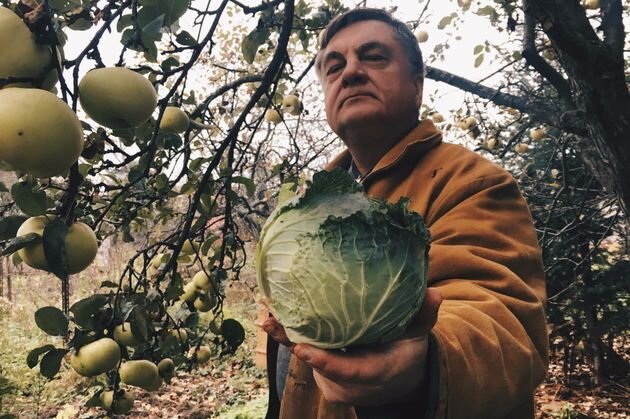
pixel 542 111
pixel 535 60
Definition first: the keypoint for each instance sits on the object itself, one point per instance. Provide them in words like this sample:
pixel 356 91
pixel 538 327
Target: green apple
pixel 203 355
pixel 124 336
pixel 537 134
pixel 292 105
pixel 521 148
pixel 273 116
pixel 205 302
pixel 21 55
pixel 39 133
pixel 124 401
pixel 422 36
pixel 117 97
pixel 81 245
pixel 140 373
pixel 96 358
pixel 174 120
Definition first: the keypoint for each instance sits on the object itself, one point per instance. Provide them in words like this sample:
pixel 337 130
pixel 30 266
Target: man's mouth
pixel 355 96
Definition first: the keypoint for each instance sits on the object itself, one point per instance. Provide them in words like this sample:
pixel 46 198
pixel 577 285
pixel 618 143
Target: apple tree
pixel 169 125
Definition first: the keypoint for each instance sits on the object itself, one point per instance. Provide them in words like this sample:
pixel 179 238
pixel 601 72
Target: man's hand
pixel 370 375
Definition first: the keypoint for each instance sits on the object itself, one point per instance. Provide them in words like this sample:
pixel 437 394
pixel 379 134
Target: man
pixel 487 350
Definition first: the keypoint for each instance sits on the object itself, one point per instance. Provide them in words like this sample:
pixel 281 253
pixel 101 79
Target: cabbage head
pixel 337 268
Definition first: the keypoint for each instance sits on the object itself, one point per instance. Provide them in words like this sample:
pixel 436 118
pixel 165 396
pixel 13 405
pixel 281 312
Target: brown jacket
pixel 490 339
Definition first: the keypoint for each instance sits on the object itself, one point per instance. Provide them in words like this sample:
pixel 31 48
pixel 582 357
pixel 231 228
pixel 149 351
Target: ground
pixel 231 387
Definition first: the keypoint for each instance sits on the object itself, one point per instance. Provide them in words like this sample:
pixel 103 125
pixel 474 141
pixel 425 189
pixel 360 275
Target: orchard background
pixel 540 87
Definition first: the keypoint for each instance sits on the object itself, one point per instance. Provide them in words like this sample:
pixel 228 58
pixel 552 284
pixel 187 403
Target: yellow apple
pixel 124 336
pixel 174 120
pixel 166 369
pixel 273 116
pixel 39 133
pixel 21 55
pixel 96 358
pixel 179 334
pixel 81 245
pixel 292 104
pixel 470 123
pixel 203 354
pixel 140 373
pixel 521 148
pixel 555 173
pixel 205 302
pixel 124 401
pixel 591 4
pixel 190 292
pixel 492 143
pixel 437 117
pixel 422 36
pixel 117 97
pixel 188 248
pixel 205 282
pixel 537 134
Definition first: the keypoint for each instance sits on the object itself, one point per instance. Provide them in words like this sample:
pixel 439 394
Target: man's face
pixel 367 78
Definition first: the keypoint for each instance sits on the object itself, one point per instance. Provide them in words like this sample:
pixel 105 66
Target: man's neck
pixel 367 146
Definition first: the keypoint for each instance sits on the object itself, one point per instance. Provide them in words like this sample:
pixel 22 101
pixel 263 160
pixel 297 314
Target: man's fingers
pixel 276 331
pixel 427 316
pixel 334 365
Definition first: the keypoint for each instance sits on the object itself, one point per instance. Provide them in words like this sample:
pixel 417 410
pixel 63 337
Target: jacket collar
pixel 420 139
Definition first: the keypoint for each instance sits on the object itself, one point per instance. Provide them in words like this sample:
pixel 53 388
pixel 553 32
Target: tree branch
pixel 612 25
pixel 535 60
pixel 542 111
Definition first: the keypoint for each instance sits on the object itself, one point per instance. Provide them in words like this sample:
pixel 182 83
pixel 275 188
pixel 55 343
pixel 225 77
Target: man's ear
pixel 419 87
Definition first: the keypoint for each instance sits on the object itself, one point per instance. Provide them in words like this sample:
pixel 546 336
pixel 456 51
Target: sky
pixel 459 57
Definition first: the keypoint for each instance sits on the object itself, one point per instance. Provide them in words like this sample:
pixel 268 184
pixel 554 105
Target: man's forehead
pixel 360 33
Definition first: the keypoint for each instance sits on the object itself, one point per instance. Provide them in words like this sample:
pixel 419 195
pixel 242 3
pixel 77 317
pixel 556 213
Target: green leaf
pixel 30 202
pixel 124 22
pixel 85 310
pixel 140 324
pixel 153 28
pixel 54 242
pixel 252 41
pixel 446 20
pixel 8 416
pixel 174 289
pixel 479 60
pixel 172 9
pixel 51 362
pixel 108 284
pixel 169 63
pixel 233 332
pixel 3 187
pixel 247 182
pixel 21 242
pixel 52 321
pixel 32 358
pixel 10 225
pixel 186 39
pixel 478 49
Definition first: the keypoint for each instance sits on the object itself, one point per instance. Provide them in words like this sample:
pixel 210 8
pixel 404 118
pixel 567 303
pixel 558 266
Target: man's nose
pixel 353 74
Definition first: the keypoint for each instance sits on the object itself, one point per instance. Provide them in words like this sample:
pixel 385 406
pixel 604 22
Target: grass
pixel 27 394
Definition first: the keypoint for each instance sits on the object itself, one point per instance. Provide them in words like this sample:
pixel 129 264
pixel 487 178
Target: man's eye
pixel 374 58
pixel 333 69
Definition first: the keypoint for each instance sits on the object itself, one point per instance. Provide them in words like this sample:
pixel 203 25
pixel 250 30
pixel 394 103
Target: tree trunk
pixel 595 344
pixel 596 75
pixel 9 293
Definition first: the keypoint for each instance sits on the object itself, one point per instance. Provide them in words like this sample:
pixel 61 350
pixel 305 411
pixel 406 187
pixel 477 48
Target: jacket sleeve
pixel 490 335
